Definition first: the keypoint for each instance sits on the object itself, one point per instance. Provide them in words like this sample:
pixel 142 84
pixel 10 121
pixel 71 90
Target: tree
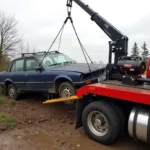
pixel 145 51
pixel 94 62
pixel 9 37
pixel 101 62
pixel 135 50
pixel 25 47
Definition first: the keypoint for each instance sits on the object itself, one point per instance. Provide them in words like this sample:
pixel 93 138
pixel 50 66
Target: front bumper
pixel 91 81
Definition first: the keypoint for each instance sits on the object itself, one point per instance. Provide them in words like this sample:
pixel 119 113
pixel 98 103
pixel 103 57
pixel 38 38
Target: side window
pixel 18 65
pixel 31 64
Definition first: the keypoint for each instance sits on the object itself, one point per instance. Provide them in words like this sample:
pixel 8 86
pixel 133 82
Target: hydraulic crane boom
pixel 125 68
pixel 119 43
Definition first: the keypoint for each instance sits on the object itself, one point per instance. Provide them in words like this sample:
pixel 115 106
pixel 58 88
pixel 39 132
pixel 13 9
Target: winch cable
pixel 81 43
pixel 60 38
pixel 82 48
pixel 52 43
pixel 69 7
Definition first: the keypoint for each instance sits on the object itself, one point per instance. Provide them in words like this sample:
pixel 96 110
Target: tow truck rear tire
pixel 101 122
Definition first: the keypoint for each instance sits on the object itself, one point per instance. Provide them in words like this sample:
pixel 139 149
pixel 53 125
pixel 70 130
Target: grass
pixel 1 91
pixel 12 102
pixel 7 120
pixel 2 100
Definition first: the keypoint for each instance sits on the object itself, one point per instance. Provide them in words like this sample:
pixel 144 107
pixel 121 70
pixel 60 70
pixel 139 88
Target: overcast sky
pixel 40 20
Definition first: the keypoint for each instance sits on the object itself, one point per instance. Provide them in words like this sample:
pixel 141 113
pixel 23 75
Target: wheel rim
pixel 66 92
pixel 12 92
pixel 98 124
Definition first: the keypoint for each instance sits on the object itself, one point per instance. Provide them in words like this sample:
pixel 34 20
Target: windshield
pixel 55 59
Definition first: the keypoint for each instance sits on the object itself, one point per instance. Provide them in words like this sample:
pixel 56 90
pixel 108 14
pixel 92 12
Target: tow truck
pixel 121 102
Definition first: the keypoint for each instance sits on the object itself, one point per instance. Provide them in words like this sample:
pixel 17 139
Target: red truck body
pixel 140 94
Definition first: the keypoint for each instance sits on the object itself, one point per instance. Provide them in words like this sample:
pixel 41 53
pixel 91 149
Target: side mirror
pixel 39 68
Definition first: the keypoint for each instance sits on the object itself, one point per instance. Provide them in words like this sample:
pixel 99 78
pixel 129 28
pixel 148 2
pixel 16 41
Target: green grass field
pixel 7 120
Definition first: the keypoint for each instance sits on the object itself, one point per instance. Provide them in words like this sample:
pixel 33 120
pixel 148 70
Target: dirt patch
pixel 51 127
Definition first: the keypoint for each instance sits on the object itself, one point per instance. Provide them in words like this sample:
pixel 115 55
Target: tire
pixel 67 87
pixel 122 117
pixel 12 92
pixel 109 123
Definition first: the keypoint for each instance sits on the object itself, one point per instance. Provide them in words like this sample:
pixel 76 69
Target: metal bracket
pixel 69 7
pixel 69 3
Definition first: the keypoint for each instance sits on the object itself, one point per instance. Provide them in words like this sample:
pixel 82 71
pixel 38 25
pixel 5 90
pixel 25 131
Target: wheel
pixel 123 119
pixel 101 122
pixel 12 92
pixel 66 89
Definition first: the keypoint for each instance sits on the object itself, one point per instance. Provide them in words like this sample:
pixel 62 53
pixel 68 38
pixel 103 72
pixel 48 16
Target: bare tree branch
pixel 9 37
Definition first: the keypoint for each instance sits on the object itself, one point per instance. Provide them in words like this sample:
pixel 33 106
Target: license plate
pixel 101 78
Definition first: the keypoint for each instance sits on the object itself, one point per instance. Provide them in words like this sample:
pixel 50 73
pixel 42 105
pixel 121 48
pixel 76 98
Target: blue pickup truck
pixel 56 74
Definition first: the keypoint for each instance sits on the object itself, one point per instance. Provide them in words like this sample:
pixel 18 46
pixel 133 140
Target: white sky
pixel 40 20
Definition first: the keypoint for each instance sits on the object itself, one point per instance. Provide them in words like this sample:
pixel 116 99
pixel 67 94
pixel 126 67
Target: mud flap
pixel 80 105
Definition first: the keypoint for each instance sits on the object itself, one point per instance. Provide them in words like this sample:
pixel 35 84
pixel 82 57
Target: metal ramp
pixel 57 100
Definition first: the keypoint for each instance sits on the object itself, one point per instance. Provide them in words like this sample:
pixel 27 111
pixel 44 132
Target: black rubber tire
pixel 16 95
pixel 122 117
pixel 71 87
pixel 113 120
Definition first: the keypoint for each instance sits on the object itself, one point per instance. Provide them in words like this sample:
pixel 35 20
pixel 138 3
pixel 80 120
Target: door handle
pixel 26 75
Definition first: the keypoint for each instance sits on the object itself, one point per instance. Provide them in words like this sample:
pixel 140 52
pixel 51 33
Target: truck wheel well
pixel 58 82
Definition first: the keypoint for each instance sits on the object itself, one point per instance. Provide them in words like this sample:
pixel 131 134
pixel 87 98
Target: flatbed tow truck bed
pixel 112 89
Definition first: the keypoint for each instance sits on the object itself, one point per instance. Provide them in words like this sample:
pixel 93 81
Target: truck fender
pixel 80 105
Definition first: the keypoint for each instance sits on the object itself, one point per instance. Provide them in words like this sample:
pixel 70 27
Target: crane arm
pixel 119 43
